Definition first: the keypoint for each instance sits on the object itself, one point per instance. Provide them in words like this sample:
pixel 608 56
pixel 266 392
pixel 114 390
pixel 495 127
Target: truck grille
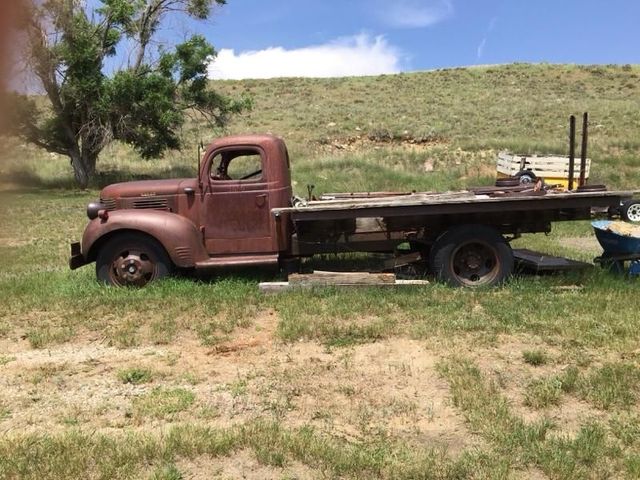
pixel 157 203
pixel 109 203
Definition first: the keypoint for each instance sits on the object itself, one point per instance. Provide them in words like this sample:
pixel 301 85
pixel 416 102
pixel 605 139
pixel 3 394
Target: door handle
pixel 261 200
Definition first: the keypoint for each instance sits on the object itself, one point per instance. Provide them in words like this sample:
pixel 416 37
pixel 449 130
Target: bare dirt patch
pixel 242 464
pixel 386 388
pixel 505 365
pixel 376 141
pixel 583 244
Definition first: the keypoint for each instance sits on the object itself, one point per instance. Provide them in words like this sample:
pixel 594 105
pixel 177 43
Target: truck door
pixel 237 216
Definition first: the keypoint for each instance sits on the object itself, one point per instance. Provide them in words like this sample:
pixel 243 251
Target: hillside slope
pixel 389 131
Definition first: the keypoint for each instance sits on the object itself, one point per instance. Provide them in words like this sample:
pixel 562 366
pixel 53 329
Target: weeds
pixel 587 454
pixel 543 393
pixel 535 357
pixel 135 376
pixel 612 385
pixel 74 454
pixel 163 403
pixel 5 359
pixel 166 472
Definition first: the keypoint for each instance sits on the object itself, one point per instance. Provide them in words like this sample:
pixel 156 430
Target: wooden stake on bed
pixel 583 151
pixel 572 150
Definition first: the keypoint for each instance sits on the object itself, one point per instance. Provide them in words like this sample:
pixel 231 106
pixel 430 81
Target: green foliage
pixel 135 375
pixel 166 472
pixel 535 357
pixel 90 105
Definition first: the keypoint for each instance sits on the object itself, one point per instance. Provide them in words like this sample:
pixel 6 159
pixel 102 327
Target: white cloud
pixel 414 13
pixel 353 56
pixel 480 50
pixel 483 43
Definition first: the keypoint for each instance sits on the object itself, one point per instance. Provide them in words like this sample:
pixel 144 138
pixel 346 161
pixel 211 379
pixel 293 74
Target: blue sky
pixel 259 38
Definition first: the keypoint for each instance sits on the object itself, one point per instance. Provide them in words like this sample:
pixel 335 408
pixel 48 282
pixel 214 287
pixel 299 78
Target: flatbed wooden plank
pixel 541 262
pixel 461 198
pixel 391 199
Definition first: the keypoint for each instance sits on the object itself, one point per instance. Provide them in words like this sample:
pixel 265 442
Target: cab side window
pixel 237 165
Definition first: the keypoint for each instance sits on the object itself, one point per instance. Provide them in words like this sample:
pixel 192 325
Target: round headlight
pixel 93 208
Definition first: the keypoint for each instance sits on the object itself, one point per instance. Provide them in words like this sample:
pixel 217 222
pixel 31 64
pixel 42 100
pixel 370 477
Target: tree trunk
pixel 84 167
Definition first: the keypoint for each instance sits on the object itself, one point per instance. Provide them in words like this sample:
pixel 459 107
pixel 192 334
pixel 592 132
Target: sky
pixel 332 38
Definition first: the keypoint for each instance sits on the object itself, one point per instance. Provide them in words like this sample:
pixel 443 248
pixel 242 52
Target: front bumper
pixel 77 260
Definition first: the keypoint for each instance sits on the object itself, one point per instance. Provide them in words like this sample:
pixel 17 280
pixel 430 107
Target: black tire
pixel 508 182
pixel 132 260
pixel 290 266
pixel 526 177
pixel 471 256
pixel 630 211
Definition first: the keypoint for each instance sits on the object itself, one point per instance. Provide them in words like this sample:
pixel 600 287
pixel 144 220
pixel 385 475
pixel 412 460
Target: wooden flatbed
pixel 462 236
pixel 453 202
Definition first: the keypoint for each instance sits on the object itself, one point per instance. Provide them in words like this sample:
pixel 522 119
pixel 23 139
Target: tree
pixel 89 104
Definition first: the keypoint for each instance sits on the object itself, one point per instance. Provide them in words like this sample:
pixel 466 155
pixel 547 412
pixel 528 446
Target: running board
pixel 239 261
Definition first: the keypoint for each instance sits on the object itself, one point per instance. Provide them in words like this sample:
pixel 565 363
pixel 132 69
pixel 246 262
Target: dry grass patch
pixel 162 403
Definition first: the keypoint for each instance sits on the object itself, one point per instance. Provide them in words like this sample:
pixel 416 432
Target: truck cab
pixel 140 231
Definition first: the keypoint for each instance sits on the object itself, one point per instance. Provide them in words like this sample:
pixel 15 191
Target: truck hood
pixel 148 188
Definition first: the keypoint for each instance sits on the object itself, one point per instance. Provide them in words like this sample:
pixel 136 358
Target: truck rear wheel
pixel 132 260
pixel 471 256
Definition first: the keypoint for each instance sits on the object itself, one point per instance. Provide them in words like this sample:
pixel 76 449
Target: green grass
pixel 374 133
pixel 4 359
pixel 166 472
pixel 535 357
pixel 162 403
pixel 543 393
pixel 135 375
pixel 464 115
pixel 590 453
pixel 76 454
pixel 612 385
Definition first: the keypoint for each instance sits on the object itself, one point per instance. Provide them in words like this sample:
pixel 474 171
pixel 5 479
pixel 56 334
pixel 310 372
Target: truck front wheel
pixel 471 256
pixel 132 260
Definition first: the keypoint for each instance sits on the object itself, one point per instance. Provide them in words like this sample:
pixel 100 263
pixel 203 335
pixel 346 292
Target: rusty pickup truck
pixel 240 211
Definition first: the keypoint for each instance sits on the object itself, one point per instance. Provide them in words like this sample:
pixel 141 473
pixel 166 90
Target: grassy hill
pixel 379 132
pixel 208 378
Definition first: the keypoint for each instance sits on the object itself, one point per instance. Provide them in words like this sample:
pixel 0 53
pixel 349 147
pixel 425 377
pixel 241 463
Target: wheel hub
pixel 473 261
pixel 475 264
pixel 634 212
pixel 132 268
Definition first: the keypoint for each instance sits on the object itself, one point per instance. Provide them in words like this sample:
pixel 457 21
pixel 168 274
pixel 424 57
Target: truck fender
pixel 178 235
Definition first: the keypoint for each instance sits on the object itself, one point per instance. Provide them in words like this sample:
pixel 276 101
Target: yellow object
pixel 553 169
